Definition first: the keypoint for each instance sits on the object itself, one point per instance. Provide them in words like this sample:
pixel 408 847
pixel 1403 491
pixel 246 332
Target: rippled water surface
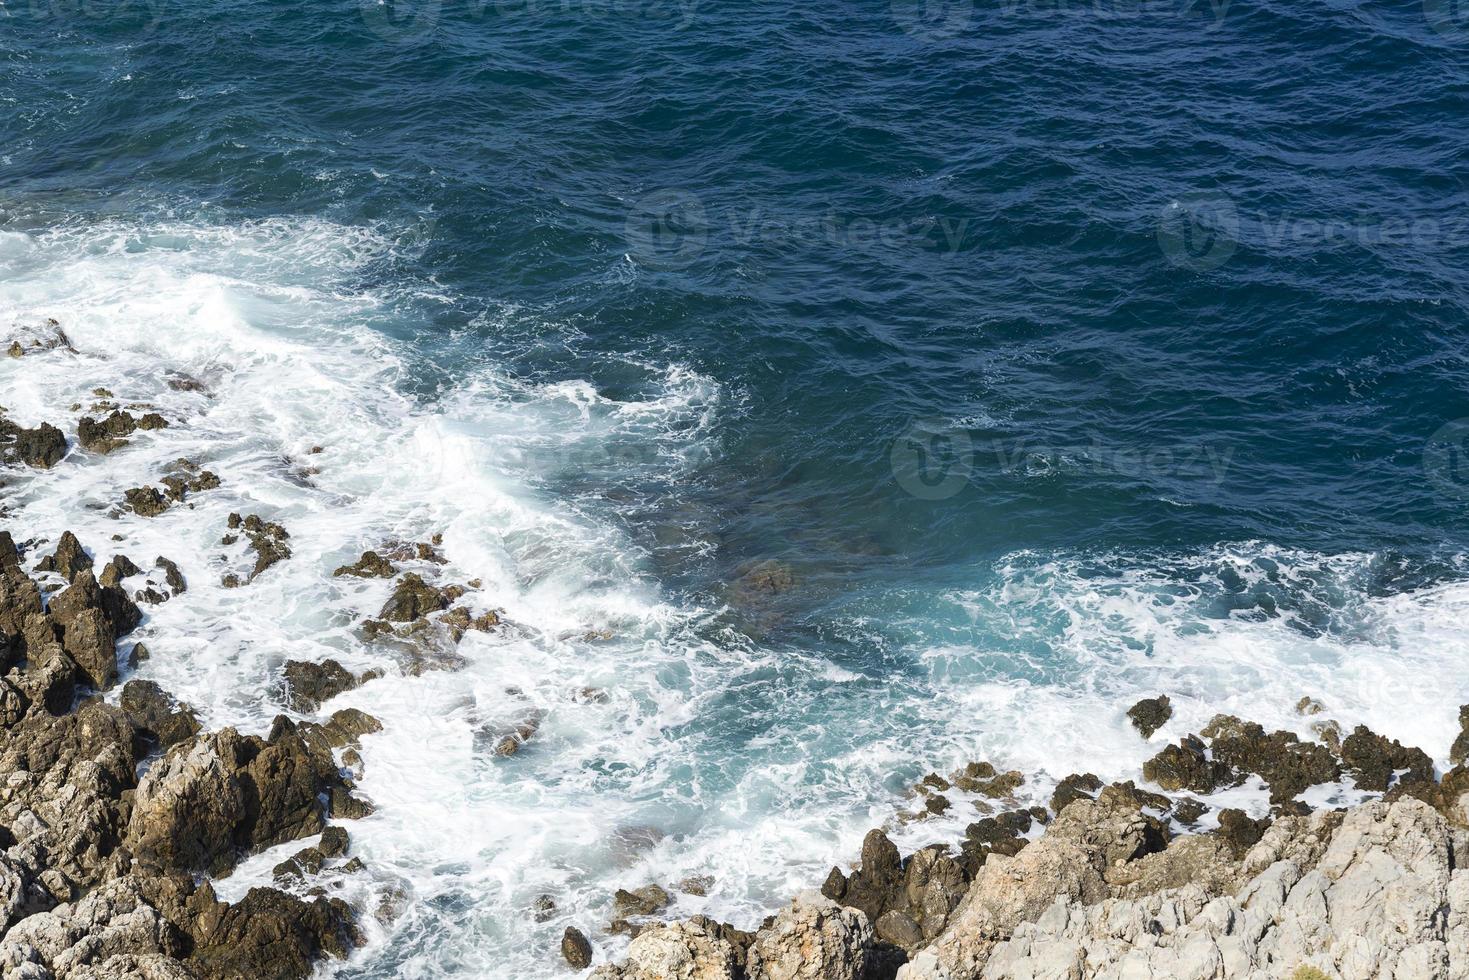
pixel 825 393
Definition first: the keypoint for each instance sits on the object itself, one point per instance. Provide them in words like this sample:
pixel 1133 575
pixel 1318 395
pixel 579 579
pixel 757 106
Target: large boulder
pixel 677 951
pixel 813 938
pixel 217 796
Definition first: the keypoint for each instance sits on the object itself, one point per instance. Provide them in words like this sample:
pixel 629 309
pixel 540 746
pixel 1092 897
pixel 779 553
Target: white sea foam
pixel 702 755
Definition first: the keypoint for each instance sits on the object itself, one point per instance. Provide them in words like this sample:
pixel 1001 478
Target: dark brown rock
pixel 412 599
pixel 1373 759
pixel 1186 766
pixel 370 565
pixel 157 715
pixel 576 949
pixel 1241 832
pixel 119 568
pixel 1077 786
pixel 308 685
pixel 1150 714
pixel 172 576
pixel 68 559
pixel 1287 764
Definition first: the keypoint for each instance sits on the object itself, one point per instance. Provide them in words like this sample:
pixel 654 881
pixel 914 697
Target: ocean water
pixel 1047 354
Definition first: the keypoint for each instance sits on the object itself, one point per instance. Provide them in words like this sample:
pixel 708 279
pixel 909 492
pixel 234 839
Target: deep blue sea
pixel 838 390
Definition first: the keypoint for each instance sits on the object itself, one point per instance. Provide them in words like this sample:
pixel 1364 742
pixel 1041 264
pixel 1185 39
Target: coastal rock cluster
pixel 1126 881
pixel 99 868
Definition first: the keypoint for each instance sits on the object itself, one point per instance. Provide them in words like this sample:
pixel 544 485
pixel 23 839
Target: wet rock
pixel 346 727
pixel 89 629
pixel 696 885
pixel 146 501
pixel 216 796
pixel 647 900
pixel 999 834
pixel 1150 714
pixel 984 779
pixel 154 713
pixel 812 938
pixel 1188 810
pixel 879 878
pixel 412 599
pixel 308 685
pixel 576 949
pixel 268 541
pixel 543 908
pixel 119 568
pixel 42 447
pixel 1077 786
pixel 69 558
pixel 107 435
pixel 1287 764
pixel 172 576
pixel 1187 766
pixel 1373 760
pixel 509 741
pixel 370 565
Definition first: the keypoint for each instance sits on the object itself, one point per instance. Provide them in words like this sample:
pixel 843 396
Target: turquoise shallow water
pixel 1055 353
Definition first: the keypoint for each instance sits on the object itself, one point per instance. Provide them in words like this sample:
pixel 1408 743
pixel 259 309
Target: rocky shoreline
pixel 117 807
pixel 1124 881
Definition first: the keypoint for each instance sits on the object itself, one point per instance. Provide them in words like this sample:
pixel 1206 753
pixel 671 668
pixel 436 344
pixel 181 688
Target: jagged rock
pixel 119 568
pixel 172 576
pixel 308 685
pixel 146 501
pixel 1371 894
pixel 1280 758
pixel 68 559
pixel 508 740
pixel 1077 786
pixel 813 938
pixel 107 435
pixel 576 949
pixel 268 541
pixel 984 779
pixel 1459 751
pixel 1187 766
pixel 89 629
pixel 1241 832
pixel 157 715
pixel 370 565
pixel 647 900
pixel 412 599
pixel 42 447
pixel 1086 839
pixel 677 951
pixel 219 795
pixel 1373 759
pixel 1150 714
